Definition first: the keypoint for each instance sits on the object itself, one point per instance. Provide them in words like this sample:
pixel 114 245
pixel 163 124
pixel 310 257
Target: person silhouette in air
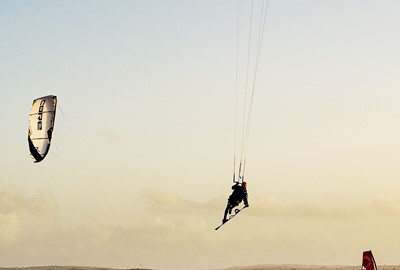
pixel 238 195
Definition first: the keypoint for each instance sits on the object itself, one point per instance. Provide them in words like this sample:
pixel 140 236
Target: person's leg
pixel 227 209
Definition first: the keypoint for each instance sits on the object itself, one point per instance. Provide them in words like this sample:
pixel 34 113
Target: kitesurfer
pixel 238 195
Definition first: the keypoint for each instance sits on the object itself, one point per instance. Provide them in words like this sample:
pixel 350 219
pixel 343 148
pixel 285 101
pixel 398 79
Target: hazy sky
pixel 141 160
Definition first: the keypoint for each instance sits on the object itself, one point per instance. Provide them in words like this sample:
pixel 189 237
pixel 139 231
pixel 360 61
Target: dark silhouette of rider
pixel 238 195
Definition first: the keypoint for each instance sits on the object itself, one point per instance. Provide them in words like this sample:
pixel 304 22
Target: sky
pixel 141 160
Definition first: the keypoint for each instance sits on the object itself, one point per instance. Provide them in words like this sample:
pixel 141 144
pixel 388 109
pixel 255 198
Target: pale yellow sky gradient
pixel 140 166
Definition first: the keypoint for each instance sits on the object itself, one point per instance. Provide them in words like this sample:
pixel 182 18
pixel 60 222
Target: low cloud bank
pixel 164 202
pixel 14 199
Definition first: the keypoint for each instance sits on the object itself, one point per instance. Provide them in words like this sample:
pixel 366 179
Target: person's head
pixel 244 184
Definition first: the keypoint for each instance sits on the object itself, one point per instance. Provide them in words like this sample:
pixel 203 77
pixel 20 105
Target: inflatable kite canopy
pixel 41 124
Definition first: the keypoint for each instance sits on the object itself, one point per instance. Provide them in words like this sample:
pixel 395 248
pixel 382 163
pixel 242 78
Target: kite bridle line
pixel 247 111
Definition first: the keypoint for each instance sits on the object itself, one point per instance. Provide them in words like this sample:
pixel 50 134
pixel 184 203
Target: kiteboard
pixel 237 211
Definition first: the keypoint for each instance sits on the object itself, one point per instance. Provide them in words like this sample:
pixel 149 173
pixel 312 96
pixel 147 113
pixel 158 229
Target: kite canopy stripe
pixel 41 124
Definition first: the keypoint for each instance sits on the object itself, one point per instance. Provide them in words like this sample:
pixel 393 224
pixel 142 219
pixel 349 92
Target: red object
pixel 245 184
pixel 368 262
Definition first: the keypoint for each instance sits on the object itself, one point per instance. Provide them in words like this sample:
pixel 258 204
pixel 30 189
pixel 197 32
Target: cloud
pixel 14 202
pixel 178 232
pixel 9 228
pixel 151 241
pixel 270 207
pixel 158 201
pixel 387 207
pixel 14 199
